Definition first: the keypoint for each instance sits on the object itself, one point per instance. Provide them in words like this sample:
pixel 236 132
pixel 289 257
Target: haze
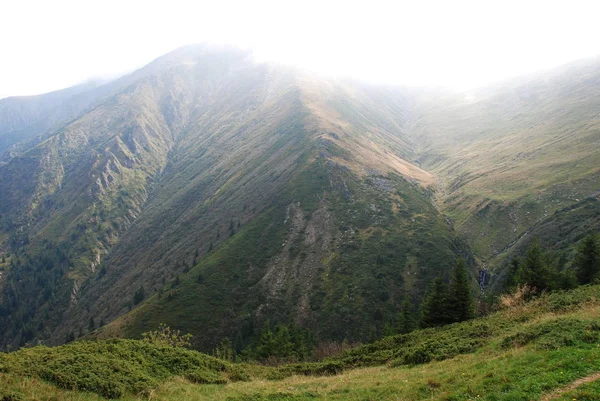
pixel 460 44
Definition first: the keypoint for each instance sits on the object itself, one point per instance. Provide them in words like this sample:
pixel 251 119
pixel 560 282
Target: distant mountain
pixel 229 194
pixel 509 156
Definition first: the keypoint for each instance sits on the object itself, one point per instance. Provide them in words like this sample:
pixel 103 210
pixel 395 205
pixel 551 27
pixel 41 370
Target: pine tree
pixel 434 307
pixel 534 270
pixel 139 295
pixel 406 322
pixel 92 324
pixel 587 261
pixel 460 305
pixel 510 281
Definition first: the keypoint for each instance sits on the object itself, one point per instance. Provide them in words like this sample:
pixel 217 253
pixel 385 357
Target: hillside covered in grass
pixel 223 196
pixel 548 348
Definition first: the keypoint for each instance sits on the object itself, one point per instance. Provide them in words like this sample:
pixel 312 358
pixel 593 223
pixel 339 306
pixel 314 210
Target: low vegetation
pixel 524 351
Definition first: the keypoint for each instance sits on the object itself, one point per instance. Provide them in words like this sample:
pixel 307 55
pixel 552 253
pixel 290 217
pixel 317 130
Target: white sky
pixel 51 44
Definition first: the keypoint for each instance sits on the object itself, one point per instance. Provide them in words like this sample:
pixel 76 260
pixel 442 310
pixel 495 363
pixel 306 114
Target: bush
pixel 552 335
pixel 115 368
pixel 205 376
pixel 164 335
pixel 329 368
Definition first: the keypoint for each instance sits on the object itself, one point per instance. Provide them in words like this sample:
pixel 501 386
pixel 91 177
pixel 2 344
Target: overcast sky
pixel 51 44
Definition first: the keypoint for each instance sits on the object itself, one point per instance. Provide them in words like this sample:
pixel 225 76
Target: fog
pixel 459 44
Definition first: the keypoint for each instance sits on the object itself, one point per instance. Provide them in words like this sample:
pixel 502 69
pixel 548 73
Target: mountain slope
pixel 509 156
pixel 230 195
pixel 205 145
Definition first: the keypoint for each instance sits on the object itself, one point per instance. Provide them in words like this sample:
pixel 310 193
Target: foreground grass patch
pixel 524 353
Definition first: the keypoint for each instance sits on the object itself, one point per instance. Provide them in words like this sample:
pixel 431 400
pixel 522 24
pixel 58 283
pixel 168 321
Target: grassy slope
pixel 309 178
pixel 559 233
pixel 324 253
pixel 511 155
pixel 520 353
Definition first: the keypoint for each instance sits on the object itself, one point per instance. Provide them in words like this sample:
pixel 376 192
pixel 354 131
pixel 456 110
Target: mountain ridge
pixel 251 190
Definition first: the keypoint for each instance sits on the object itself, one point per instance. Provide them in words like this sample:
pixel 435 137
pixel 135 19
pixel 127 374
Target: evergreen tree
pixel 139 295
pixel 433 311
pixel 460 305
pixel 512 273
pixel 534 270
pixel 406 322
pixel 587 261
pixel 92 324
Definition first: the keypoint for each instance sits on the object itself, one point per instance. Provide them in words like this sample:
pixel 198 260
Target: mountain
pixel 220 195
pixel 510 156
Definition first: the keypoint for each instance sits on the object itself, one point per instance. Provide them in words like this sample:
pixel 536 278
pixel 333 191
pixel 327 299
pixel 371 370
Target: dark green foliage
pixel 512 272
pixel 554 334
pixel 543 271
pixel 205 376
pixel 114 368
pixel 460 302
pixel 534 270
pixel 328 368
pixel 283 343
pixel 406 320
pixel 38 284
pixel 139 296
pixel 445 342
pixel 587 261
pixel 434 309
pixel 422 346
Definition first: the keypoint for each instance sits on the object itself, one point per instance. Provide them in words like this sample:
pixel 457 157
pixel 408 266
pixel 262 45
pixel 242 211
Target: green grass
pixel 512 154
pixel 331 242
pixel 520 353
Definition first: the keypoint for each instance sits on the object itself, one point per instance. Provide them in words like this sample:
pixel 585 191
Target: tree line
pixel 541 271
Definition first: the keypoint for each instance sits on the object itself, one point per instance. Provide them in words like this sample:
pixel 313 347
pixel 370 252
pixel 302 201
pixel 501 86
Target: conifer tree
pixel 587 261
pixel 434 307
pixel 139 295
pixel 510 281
pixel 534 270
pixel 406 322
pixel 460 305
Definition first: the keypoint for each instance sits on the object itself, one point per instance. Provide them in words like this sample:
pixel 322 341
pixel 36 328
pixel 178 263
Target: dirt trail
pixel 560 391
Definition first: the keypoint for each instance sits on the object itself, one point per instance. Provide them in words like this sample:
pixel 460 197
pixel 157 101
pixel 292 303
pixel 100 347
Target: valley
pixel 231 195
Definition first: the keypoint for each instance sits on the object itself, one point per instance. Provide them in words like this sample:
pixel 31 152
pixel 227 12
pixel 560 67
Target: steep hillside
pixel 22 118
pixel 317 222
pixel 294 196
pixel 509 156
pixel 220 195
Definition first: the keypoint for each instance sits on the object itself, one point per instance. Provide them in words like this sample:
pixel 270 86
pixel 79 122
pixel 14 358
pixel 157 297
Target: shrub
pixel 205 376
pixel 167 336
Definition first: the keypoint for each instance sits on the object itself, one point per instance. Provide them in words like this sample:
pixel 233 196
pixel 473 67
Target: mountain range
pixel 220 195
